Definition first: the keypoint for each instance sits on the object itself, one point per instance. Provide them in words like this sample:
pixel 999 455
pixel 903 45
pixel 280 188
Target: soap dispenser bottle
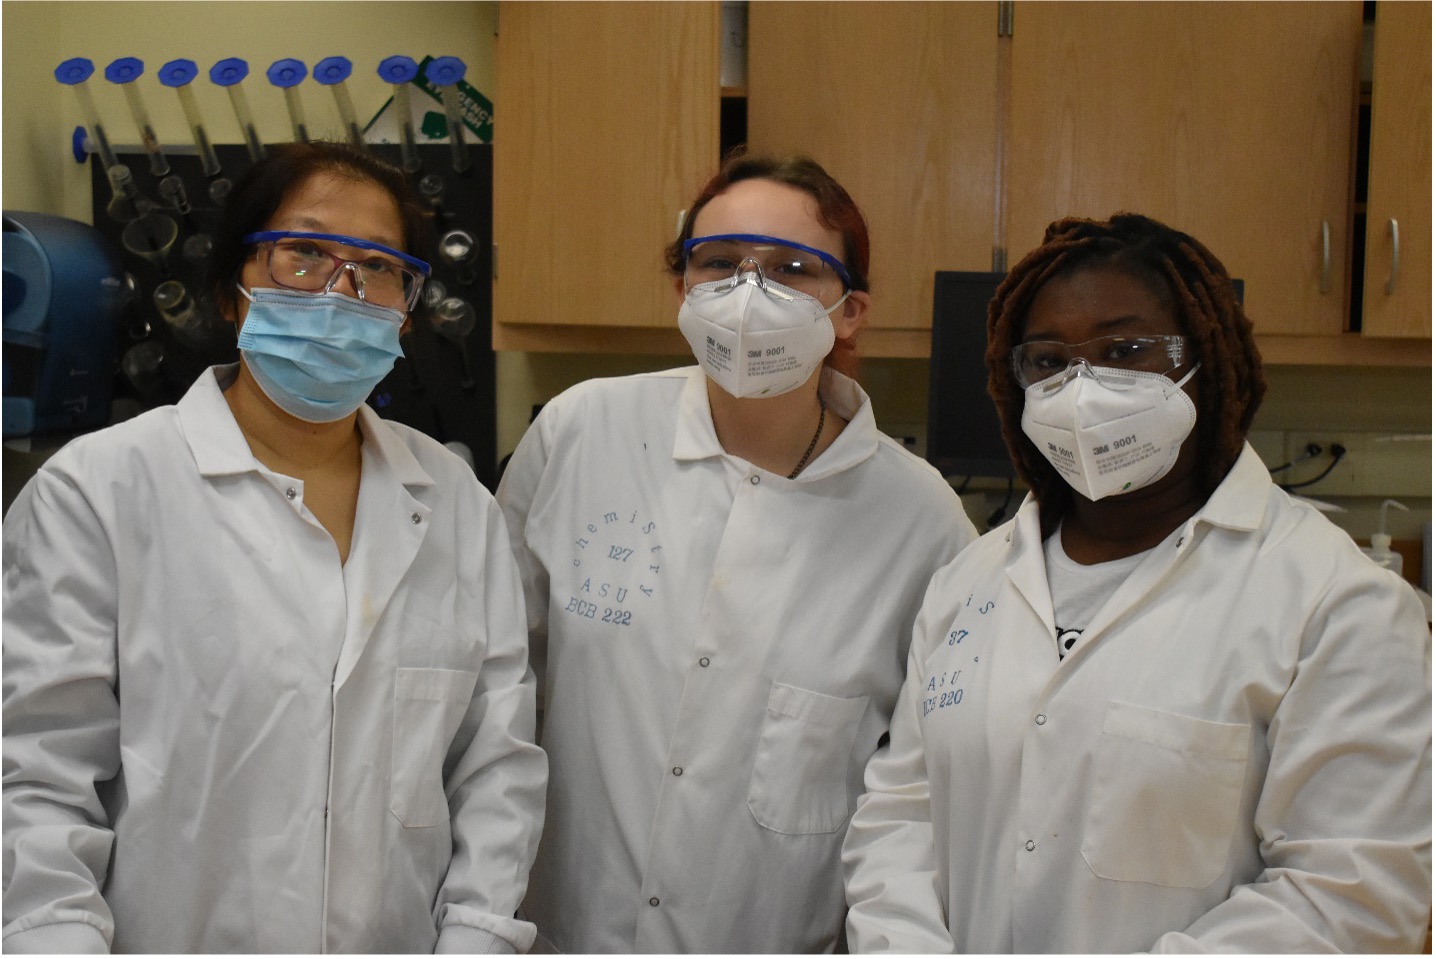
pixel 1380 549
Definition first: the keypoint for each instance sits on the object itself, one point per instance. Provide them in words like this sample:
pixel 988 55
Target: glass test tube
pixel 332 72
pixel 454 318
pixel 400 70
pixel 287 75
pixel 73 73
pixel 178 74
pixel 228 73
pixel 445 73
pixel 123 73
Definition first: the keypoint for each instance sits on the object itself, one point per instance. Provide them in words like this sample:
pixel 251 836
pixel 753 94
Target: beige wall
pixel 39 173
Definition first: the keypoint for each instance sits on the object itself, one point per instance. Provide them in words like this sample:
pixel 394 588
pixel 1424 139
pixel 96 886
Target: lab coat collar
pixel 220 449
pixel 215 440
pixel 696 438
pixel 1240 502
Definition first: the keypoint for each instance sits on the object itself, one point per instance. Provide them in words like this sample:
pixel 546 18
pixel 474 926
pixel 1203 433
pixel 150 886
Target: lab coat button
pixel 677 770
pixel 653 901
pixel 1030 845
pixel 1041 719
pixel 291 493
pixel 417 519
pixel 753 480
pixel 703 662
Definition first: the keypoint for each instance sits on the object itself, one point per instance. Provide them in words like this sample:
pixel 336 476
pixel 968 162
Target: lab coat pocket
pixel 429 705
pixel 1165 797
pixel 800 774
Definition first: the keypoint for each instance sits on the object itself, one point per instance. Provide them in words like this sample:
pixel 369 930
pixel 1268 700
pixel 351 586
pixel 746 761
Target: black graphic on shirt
pixel 1066 639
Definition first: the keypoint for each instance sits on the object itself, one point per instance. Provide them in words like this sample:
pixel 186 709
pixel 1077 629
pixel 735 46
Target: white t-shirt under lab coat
pixel 217 739
pixel 1235 758
pixel 723 649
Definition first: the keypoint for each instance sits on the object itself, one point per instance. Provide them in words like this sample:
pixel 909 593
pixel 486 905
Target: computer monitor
pixel 963 436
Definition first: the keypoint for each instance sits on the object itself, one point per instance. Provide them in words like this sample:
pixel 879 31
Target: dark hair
pixel 1185 275
pixel 836 211
pixel 262 190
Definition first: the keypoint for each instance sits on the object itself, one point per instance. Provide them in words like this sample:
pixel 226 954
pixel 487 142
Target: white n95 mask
pixel 1109 431
pixel 755 337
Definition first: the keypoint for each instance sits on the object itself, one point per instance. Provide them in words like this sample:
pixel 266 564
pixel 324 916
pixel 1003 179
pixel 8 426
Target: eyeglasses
pixel 1038 360
pixel 308 262
pixel 709 259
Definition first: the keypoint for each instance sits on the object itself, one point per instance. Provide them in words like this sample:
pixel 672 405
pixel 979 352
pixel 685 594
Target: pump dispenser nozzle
pixel 1380 550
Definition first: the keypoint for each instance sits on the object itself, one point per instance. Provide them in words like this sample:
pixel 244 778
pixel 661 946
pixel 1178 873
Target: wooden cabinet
pixel 1230 121
pixel 608 125
pixel 897 101
pixel 1397 295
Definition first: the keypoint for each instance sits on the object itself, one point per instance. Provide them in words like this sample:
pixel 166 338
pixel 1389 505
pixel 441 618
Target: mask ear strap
pixel 1190 373
pixel 841 300
pixel 244 293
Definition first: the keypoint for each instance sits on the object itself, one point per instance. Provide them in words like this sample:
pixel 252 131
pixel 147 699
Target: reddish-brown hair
pixel 836 211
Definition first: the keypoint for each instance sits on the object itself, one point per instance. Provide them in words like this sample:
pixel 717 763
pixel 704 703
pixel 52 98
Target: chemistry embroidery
pixel 616 561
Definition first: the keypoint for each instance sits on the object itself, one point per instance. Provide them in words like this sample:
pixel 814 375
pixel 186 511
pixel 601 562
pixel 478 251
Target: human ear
pixel 852 317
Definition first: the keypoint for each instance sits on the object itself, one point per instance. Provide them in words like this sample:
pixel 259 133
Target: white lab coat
pixel 1236 757
pixel 217 739
pixel 724 647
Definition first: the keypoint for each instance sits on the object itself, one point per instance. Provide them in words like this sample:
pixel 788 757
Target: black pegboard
pixel 427 388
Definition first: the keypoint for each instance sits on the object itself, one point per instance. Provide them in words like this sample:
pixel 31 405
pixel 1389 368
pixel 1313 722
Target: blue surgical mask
pixel 318 356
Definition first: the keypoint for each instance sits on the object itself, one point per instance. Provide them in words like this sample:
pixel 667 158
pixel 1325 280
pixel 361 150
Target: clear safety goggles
pixel 1039 360
pixel 709 259
pixel 313 263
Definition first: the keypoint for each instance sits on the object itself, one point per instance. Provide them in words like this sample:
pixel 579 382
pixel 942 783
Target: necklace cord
pixel 822 418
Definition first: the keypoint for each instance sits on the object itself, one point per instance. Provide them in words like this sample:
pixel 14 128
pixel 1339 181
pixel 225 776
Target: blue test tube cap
pixel 398 69
pixel 445 71
pixel 229 71
pixel 125 70
pixel 74 70
pixel 287 73
pixel 178 73
pixel 332 70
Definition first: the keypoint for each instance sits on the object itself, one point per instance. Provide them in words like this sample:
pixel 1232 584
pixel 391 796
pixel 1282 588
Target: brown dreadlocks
pixel 1185 275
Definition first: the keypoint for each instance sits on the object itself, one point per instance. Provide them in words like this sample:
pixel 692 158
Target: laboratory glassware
pixel 178 74
pixel 228 73
pixel 126 201
pixel 150 237
pixel 400 71
pixel 459 249
pixel 332 72
pixel 445 73
pixel 172 191
pixel 287 75
pixel 454 319
pixel 123 73
pixel 74 73
pixel 179 312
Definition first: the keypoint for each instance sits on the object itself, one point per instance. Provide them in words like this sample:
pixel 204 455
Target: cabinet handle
pixel 1395 254
pixel 1325 285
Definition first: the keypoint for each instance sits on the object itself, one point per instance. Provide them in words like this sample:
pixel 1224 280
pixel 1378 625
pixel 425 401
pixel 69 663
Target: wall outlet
pixel 1375 464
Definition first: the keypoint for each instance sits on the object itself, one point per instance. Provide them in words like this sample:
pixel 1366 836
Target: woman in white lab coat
pixel 1168 707
pixel 722 565
pixel 266 683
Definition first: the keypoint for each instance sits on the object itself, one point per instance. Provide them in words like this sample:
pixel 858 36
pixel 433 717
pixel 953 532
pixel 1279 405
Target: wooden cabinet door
pixel 1230 121
pixel 1400 178
pixel 895 100
pixel 607 126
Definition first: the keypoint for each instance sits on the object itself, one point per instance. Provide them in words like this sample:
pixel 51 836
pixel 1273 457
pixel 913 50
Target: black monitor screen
pixel 963 438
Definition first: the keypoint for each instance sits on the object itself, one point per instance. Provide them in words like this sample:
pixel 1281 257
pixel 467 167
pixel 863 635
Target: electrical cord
pixel 1338 452
pixel 1310 452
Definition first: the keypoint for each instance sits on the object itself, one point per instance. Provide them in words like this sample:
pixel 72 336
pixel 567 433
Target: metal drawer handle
pixel 1325 285
pixel 1395 254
